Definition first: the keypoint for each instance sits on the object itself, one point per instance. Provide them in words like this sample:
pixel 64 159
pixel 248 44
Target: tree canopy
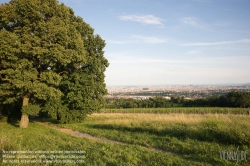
pixel 50 61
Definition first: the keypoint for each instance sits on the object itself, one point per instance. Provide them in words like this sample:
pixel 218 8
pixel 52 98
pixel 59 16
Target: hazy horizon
pixel 239 84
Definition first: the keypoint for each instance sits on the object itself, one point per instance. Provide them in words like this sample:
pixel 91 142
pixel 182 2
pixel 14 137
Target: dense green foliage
pixel 231 99
pixel 50 61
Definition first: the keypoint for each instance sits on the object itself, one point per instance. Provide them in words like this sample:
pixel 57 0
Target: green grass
pixel 186 110
pixel 38 137
pixel 195 137
pixel 186 138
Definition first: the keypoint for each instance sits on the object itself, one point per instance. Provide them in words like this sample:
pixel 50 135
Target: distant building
pixel 144 88
pixel 167 97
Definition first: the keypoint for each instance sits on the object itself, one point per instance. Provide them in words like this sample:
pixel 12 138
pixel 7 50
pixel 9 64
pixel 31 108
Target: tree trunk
pixel 25 118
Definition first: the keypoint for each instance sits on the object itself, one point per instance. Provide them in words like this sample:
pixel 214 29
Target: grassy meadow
pixel 38 137
pixel 185 110
pixel 151 139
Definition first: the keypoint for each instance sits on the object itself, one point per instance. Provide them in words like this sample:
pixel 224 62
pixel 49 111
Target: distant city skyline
pixel 183 42
pixel 231 84
pixel 188 92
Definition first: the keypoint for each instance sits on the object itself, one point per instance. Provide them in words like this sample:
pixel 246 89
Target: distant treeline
pixel 231 99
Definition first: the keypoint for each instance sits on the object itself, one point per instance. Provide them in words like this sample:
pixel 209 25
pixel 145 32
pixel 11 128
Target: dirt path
pixel 85 135
pixel 80 134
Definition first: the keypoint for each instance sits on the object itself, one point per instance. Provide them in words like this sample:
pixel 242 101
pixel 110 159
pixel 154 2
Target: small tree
pixel 50 60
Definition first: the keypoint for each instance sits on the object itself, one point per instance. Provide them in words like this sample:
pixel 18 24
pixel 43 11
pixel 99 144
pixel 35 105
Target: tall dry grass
pixel 127 118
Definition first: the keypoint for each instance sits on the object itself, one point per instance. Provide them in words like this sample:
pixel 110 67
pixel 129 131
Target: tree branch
pixel 63 72
pixel 6 79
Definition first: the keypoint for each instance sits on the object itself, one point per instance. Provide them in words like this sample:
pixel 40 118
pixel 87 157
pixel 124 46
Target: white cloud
pixel 127 58
pixel 140 39
pixel 240 60
pixel 190 21
pixel 147 39
pixel 138 60
pixel 122 42
pixel 196 23
pixel 242 41
pixel 145 19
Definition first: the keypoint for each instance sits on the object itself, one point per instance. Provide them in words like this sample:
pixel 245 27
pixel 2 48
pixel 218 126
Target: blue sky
pixel 166 42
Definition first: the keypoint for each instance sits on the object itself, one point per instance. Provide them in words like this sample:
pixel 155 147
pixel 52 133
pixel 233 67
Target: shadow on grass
pixel 182 133
pixel 15 124
pixel 12 121
pixel 38 119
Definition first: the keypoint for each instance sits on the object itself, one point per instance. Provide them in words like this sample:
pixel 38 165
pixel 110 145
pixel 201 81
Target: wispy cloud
pixel 190 21
pixel 242 60
pixel 140 60
pixel 122 41
pixel 145 19
pixel 196 23
pixel 140 39
pixel 147 39
pixel 127 58
pixel 242 41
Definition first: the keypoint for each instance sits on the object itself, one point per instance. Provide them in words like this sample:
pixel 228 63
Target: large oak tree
pixel 50 60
